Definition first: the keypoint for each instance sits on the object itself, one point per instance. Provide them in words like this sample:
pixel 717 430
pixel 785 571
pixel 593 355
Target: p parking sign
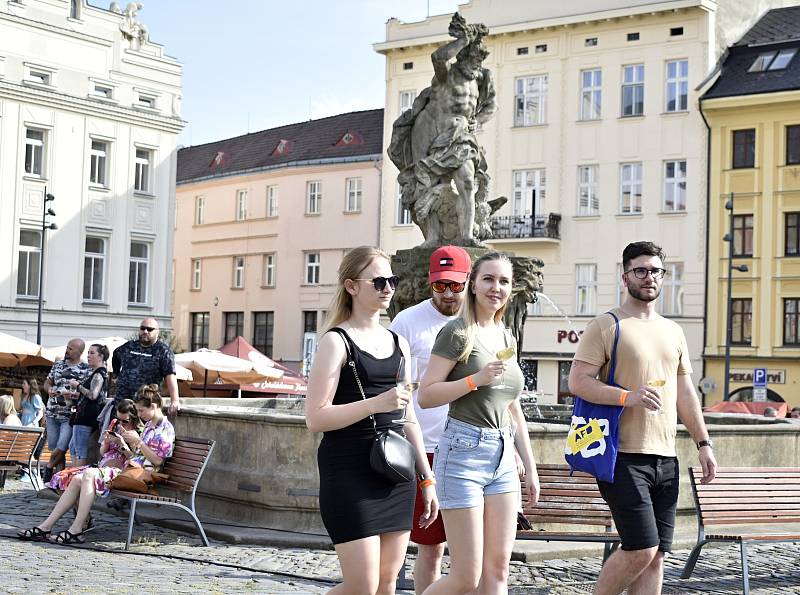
pixel 759 378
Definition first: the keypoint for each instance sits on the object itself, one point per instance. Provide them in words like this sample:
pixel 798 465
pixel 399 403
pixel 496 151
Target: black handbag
pixel 391 455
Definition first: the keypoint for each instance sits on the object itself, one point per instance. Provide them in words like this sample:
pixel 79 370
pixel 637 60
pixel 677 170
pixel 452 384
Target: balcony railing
pixel 527 226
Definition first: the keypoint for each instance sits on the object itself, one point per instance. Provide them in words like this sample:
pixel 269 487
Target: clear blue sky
pixel 275 62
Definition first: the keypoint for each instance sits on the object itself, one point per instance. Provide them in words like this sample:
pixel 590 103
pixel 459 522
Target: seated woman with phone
pixel 122 448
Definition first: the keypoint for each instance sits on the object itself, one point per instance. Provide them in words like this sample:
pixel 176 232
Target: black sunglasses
pixel 379 283
pixel 149 329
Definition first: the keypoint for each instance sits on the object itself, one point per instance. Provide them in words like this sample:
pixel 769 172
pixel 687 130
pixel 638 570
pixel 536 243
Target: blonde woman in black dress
pixel 368 518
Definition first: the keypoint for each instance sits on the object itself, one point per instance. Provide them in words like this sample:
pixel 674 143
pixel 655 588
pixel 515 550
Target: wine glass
pixel 656 379
pixel 504 354
pixel 407 379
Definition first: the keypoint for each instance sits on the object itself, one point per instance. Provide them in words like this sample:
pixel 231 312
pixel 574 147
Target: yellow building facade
pixel 753 113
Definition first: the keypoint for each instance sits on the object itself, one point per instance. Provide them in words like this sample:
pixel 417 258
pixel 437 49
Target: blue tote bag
pixel 593 438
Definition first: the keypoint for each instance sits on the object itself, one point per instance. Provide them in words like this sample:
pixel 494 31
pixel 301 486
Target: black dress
pixel 355 502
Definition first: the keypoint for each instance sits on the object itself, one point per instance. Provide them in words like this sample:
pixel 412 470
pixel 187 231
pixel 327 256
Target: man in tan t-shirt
pixel 653 367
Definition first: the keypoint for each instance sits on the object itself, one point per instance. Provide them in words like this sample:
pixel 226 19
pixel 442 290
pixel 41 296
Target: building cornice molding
pixel 7 16
pixel 768 99
pixel 279 166
pixel 53 99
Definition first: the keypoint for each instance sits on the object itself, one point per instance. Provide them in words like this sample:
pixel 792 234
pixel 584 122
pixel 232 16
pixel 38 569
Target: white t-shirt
pixel 420 325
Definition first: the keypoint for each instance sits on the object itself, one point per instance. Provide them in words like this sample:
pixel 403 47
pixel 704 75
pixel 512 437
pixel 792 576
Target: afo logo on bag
pixel 589 439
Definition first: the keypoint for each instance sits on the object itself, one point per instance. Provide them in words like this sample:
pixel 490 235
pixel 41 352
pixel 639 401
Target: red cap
pixel 449 262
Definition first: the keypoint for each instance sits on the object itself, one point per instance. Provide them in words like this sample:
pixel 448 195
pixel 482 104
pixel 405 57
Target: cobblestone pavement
pixel 163 561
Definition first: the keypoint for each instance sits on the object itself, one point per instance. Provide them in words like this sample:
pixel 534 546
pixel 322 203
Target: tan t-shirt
pixel 640 341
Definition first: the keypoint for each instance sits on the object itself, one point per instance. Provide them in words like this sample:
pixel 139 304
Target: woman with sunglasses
pixel 148 450
pixel 478 480
pixel 367 517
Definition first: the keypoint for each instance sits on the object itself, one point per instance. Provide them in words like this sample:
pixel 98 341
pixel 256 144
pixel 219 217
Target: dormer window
pixel 218 160
pixel 283 147
pixel 772 60
pixel 350 138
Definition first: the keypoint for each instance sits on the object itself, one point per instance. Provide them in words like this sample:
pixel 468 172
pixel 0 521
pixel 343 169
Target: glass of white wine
pixel 504 354
pixel 656 379
pixel 407 379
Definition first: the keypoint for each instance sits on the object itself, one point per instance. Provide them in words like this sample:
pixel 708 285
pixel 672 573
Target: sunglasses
pixel 441 286
pixel 379 283
pixel 641 272
pixel 149 329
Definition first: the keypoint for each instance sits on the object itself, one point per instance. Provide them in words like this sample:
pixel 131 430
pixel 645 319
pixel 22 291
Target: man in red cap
pixel 448 273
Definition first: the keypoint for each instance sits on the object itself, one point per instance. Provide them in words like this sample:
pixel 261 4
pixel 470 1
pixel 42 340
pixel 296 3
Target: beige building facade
pixel 263 221
pixel 597 142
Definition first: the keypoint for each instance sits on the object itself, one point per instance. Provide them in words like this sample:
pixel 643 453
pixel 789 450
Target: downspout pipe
pixel 708 239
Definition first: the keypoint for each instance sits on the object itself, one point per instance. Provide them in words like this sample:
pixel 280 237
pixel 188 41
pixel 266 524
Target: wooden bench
pixel 17 447
pixel 744 496
pixel 185 468
pixel 574 500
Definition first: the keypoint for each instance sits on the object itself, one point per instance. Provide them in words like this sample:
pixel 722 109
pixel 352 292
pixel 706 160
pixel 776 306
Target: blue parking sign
pixel 760 377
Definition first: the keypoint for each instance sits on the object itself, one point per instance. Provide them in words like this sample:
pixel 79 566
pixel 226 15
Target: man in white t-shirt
pixel 448 273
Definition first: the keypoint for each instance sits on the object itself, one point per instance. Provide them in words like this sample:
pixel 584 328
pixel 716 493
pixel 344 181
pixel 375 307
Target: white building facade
pixel 90 114
pixel 597 142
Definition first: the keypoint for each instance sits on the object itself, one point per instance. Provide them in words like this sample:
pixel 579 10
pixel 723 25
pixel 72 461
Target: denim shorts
pixel 473 462
pixel 79 445
pixel 59 433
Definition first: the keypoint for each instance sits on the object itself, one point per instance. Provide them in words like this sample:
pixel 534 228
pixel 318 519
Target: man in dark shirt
pixel 146 361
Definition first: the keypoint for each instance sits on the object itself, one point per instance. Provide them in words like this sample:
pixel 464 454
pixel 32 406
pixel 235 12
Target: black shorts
pixel 643 500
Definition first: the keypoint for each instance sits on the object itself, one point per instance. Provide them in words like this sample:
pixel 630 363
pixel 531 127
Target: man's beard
pixel 641 296
pixel 446 309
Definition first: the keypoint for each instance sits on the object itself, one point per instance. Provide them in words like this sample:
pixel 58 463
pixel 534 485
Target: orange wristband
pixel 623 397
pixel 471 383
pixel 427 482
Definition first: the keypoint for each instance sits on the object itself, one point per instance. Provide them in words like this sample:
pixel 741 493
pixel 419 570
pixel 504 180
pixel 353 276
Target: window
pixel 234 325
pixel 403 212
pixel 633 36
pixel 94 264
pixel 586 289
pixel 241 205
pixel 102 91
pixel 791 311
pixel 588 200
pixel 200 324
pixel 272 201
pixel 263 330
pixel 407 100
pixel 73 9
pixel 408 66
pixel 313 197
pixel 144 100
pixel 269 270
pixel 523 51
pixel 30 259
pixel 744 148
pixel 312 268
pixel 633 90
pixel 352 203
pixel 742 235
pixel 309 321
pixel 98 163
pixel 675 31
pixel 741 321
pixel 238 272
pixel 671 302
pixel 772 60
pixel 630 188
pixel 793 145
pixel 34 152
pixel 674 186
pixel 591 94
pixel 199 210
pixel 40 77
pixel 792 234
pixel 530 100
pixel 141 182
pixel 137 273
pixel 564 396
pixel 529 191
pixel 590 42
pixel 677 92
pixel 541 48
pixel 197 274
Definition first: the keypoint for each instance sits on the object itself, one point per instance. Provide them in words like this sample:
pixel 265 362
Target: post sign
pixel 760 378
pixel 759 394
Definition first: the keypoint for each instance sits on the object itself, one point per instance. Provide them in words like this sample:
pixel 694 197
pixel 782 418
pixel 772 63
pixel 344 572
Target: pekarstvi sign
pixel 745 376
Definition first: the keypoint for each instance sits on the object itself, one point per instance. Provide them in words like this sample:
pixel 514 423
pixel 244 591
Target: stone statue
pixel 443 171
pixel 132 29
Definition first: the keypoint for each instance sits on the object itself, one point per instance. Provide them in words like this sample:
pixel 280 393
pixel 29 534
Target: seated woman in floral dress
pixel 148 450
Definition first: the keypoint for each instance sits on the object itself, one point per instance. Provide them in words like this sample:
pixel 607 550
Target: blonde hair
pixel 7 406
pixel 468 311
pixel 355 261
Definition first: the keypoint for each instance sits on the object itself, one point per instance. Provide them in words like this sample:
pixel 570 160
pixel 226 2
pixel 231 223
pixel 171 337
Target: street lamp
pixel 45 226
pixel 742 268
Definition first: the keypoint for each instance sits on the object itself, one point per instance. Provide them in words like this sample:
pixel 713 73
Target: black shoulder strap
pixel 347 340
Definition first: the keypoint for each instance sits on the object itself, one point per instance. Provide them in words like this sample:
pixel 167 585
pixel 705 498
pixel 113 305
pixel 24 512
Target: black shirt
pixel 87 410
pixel 135 365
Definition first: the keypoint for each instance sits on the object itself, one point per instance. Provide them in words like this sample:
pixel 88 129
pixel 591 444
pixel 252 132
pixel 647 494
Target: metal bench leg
pixel 131 516
pixel 199 527
pixel 3 479
pixel 745 573
pixel 692 560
